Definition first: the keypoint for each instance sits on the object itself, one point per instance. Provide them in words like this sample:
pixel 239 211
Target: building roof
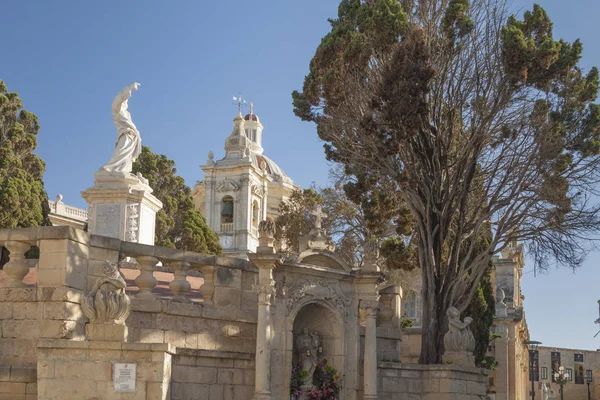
pixel 252 117
pixel 270 166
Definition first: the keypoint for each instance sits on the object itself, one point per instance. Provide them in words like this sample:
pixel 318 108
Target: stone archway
pixel 319 316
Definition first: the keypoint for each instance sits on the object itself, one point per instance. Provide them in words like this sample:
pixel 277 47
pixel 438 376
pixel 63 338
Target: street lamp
pixel 588 380
pixel 532 345
pixel 561 377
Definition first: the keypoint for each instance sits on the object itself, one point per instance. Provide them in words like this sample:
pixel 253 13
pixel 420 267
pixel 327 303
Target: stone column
pixel 265 259
pixel 370 308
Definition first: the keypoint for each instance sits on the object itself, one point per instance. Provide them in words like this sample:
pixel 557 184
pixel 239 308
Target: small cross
pixel 251 105
pixel 319 215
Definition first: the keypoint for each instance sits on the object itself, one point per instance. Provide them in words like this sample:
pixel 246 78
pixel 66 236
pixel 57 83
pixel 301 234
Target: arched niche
pixel 322 258
pixel 318 315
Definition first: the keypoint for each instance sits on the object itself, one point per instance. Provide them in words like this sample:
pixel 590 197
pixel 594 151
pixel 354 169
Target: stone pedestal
pixel 106 332
pixel 69 369
pixel 121 205
pixel 459 358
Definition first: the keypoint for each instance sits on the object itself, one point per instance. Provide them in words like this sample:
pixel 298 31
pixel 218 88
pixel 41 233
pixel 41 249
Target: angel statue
pixel 129 143
pixel 459 337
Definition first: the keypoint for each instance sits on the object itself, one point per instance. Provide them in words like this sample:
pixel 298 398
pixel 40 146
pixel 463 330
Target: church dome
pixel 271 168
pixel 251 117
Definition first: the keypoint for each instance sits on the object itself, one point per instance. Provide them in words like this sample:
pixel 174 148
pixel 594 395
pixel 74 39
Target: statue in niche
pixel 459 337
pixel 107 302
pixel 129 143
pixel 309 346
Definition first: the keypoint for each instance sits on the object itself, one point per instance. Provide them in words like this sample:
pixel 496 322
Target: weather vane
pixel 239 101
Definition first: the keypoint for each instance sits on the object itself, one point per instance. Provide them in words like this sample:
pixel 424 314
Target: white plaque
pixel 124 377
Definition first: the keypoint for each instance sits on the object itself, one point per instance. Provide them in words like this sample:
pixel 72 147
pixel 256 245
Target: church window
pixel 578 357
pixel 588 375
pixel 253 135
pixel 255 213
pixel 412 308
pixel 544 372
pixel 227 210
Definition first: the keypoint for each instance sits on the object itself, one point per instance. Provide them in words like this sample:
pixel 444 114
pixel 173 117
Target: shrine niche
pixel 318 343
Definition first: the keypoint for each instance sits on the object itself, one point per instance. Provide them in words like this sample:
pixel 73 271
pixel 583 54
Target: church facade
pixel 242 188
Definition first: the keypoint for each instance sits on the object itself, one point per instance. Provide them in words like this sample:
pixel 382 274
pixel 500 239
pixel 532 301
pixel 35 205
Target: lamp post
pixel 532 345
pixel 588 380
pixel 561 377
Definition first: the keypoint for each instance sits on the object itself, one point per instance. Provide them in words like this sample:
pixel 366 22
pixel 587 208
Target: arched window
pixel 255 213
pixel 227 210
pixel 411 308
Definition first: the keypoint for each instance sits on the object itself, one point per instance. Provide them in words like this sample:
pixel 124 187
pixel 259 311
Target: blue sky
pixel 68 59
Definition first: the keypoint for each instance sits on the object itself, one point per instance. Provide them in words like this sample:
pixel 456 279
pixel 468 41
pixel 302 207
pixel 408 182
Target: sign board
pixel 124 377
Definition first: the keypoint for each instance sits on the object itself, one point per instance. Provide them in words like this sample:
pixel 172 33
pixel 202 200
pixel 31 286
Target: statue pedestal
pixel 459 358
pixel 305 393
pixel 121 205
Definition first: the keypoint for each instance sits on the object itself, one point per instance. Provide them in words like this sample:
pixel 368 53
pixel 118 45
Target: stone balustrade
pixel 73 258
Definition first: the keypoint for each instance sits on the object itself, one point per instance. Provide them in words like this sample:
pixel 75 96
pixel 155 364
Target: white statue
pixel 459 337
pixel 129 143
pixel 308 346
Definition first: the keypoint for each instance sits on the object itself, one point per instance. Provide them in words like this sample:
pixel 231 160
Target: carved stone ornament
pixel 266 229
pixel 459 341
pixel 227 185
pixel 305 292
pixel 264 292
pixel 107 302
pixel 258 190
pixel 370 307
pixel 133 217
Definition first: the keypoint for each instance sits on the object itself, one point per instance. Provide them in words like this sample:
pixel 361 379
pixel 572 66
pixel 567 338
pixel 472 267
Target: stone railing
pixel 226 227
pixel 59 208
pixel 73 258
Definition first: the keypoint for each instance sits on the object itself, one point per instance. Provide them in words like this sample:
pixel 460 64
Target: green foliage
pixel 294 220
pixel 22 196
pixel 482 309
pixel 406 323
pixel 480 121
pixel 178 224
pixel 457 22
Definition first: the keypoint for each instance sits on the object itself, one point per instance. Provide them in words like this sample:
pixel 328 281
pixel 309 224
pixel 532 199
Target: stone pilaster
pixel 265 259
pixel 370 308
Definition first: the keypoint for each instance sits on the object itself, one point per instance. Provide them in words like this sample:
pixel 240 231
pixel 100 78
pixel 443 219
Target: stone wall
pixel 430 382
pixel 214 375
pixel 18 382
pixel 192 326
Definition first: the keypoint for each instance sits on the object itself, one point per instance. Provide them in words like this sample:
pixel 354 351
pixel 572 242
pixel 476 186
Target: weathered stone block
pixel 227 297
pixel 152 336
pixel 228 277
pixel 106 332
pixel 183 373
pixel 28 310
pixel 4 373
pixel 20 373
pixel 62 310
pixel 175 337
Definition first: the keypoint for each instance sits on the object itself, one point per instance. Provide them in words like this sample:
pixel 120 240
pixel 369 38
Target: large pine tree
pixel 482 121
pixel 23 200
